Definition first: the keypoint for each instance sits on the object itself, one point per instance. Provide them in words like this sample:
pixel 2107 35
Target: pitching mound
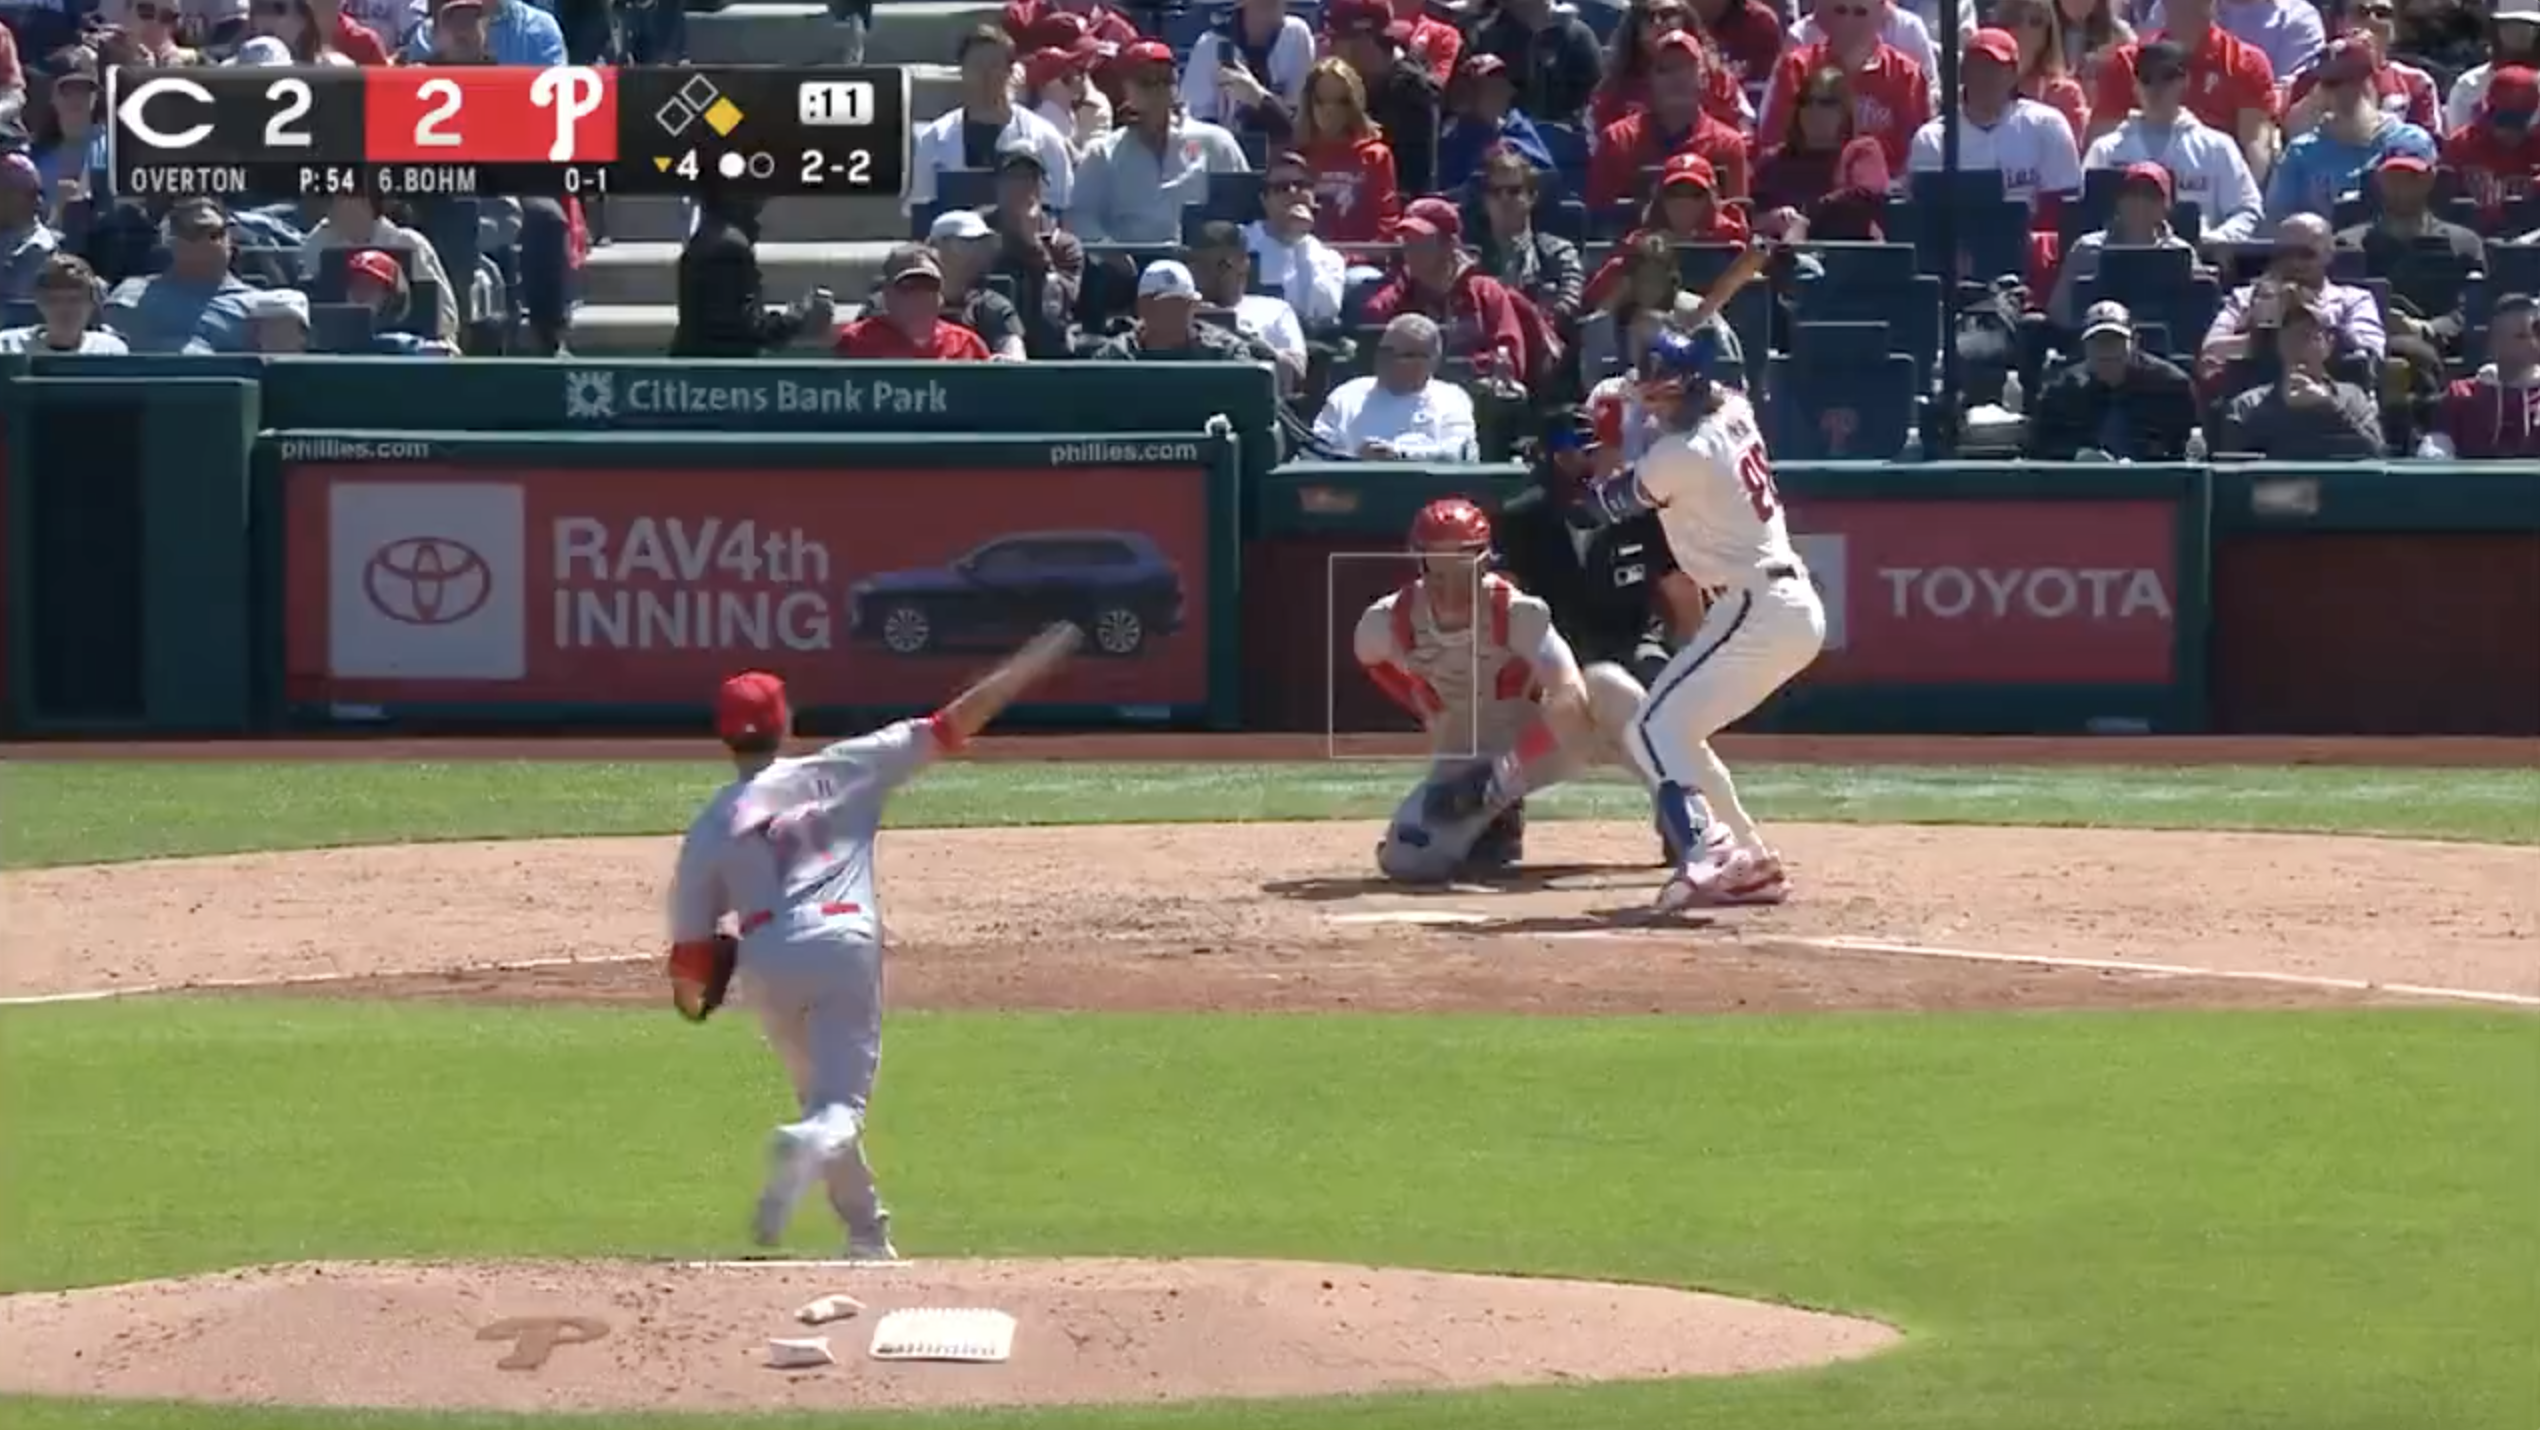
pixel 564 1336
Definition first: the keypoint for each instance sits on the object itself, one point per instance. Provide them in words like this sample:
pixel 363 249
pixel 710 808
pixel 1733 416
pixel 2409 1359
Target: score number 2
pixel 296 100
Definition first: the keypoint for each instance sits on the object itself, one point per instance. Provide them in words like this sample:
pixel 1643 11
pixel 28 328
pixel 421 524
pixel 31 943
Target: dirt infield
pixel 1244 918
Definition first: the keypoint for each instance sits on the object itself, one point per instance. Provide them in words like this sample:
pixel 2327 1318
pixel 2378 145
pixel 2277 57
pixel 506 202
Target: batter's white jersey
pixel 1714 493
pixel 2032 145
pixel 789 850
pixel 1482 679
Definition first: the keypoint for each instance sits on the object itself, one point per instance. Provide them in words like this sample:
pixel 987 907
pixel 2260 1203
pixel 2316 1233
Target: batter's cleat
pixel 1740 878
pixel 793 1164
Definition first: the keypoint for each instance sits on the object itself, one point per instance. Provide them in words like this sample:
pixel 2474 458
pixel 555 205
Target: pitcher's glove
pixel 701 975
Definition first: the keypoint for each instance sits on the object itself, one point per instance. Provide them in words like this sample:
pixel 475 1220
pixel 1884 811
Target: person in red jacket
pixel 1441 282
pixel 1354 189
pixel 1103 23
pixel 908 324
pixel 2497 412
pixel 2497 154
pixel 1634 51
pixel 1434 43
pixel 1674 123
pixel 1891 96
pixel 1685 209
pixel 1748 35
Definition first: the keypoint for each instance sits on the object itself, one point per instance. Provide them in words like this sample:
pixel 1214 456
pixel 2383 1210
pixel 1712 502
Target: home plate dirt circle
pixel 578 1336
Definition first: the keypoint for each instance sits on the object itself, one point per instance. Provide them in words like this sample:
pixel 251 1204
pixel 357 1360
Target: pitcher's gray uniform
pixel 1477 688
pixel 789 853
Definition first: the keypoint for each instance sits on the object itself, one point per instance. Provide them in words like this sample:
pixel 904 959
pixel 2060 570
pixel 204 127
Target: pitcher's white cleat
pixel 874 1245
pixel 793 1164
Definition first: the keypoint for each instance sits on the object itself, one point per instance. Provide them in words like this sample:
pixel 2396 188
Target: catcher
pixel 1480 665
pixel 786 852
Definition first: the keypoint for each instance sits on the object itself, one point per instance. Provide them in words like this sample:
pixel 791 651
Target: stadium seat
pixel 1810 341
pixel 2511 268
pixel 339 328
pixel 1911 312
pixel 1568 146
pixel 1236 198
pixel 1858 265
pixel 1840 409
pixel 1181 29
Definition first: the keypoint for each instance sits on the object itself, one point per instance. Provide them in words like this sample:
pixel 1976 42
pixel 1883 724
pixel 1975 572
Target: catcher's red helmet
pixel 1451 524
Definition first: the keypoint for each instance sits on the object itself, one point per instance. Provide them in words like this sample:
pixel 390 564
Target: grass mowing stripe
pixel 2089 1221
pixel 95 812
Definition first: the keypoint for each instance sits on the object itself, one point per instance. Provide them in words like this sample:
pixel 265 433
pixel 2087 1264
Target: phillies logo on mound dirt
pixel 427 581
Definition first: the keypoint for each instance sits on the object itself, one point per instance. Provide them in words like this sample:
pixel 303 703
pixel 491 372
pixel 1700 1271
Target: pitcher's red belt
pixel 764 917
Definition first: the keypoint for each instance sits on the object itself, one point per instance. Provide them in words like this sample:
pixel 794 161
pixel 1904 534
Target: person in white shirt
pixel 2029 142
pixel 2206 165
pixel 2517 42
pixel 1224 86
pixel 1403 413
pixel 785 851
pixel 987 120
pixel 1063 92
pixel 66 293
pixel 1710 480
pixel 1310 273
pixel 1904 29
pixel 1222 267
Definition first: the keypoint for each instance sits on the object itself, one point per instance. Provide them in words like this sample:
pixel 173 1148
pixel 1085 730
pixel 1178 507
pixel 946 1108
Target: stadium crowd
pixel 2151 229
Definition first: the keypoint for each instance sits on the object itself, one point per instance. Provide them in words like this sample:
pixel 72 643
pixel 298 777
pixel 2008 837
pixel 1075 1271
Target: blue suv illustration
pixel 1115 585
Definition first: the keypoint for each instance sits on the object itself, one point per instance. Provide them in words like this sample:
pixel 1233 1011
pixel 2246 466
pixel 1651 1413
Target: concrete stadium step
pixel 645 330
pixel 649 272
pixel 663 218
pixel 764 32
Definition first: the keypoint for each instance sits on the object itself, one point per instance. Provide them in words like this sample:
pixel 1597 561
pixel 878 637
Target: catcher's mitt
pixel 701 975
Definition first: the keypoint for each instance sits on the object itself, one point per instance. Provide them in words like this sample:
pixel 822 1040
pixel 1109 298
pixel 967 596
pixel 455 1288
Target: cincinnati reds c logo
pixel 427 581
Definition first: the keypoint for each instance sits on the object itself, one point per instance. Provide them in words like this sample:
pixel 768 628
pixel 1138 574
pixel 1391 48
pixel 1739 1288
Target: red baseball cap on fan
pixel 375 265
pixel 751 706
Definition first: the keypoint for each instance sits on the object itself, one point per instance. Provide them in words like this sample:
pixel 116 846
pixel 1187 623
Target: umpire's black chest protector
pixel 1599 583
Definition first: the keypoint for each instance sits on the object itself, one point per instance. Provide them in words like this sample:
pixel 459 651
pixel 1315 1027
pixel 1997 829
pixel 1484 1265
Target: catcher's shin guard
pixel 1502 844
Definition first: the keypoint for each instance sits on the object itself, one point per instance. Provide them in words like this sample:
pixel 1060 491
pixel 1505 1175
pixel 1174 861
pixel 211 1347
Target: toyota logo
pixel 427 581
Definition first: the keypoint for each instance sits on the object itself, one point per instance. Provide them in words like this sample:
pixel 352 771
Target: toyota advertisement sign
pixel 872 589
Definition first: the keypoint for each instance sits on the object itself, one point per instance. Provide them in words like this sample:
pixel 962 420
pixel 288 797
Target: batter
pixel 1480 664
pixel 786 851
pixel 1710 481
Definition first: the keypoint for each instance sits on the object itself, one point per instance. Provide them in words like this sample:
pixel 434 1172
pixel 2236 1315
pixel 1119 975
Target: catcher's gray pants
pixel 1416 851
pixel 821 1004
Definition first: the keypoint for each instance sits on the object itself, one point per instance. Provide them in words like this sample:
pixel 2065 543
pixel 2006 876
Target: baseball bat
pixel 1733 279
pixel 971 710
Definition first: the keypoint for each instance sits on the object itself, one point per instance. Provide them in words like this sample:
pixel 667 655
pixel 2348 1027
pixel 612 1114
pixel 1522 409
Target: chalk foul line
pixel 2173 970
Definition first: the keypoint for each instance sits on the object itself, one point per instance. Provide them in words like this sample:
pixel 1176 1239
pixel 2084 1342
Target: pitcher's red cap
pixel 752 706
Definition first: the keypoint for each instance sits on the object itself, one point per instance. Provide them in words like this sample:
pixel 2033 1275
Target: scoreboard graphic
pixel 493 129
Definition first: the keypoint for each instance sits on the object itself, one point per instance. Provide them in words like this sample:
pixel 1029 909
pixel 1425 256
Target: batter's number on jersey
pixel 1755 473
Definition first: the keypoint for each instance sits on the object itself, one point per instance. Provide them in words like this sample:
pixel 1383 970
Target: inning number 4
pixel 1755 473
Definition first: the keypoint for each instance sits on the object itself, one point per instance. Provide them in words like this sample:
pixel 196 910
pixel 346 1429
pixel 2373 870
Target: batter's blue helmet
pixel 1676 356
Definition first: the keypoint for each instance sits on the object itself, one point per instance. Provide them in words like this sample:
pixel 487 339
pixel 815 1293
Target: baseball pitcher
pixel 1479 663
pixel 785 851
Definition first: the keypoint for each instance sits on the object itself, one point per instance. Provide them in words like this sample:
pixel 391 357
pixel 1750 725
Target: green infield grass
pixel 2143 1221
pixel 90 812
